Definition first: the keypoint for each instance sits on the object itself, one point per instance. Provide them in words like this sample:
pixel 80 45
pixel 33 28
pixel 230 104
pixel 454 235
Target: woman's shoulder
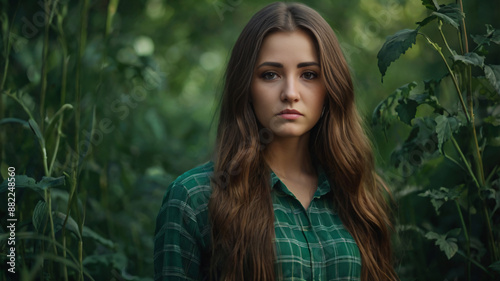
pixel 197 176
pixel 193 185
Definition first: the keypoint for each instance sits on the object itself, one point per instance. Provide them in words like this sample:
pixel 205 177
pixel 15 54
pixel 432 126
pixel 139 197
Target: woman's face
pixel 287 91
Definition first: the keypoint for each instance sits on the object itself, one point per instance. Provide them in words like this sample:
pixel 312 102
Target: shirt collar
pixel 323 183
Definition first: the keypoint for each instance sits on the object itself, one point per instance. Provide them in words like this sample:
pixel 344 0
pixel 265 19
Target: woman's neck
pixel 289 156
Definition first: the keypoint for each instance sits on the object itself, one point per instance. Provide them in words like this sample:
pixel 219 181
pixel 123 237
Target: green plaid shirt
pixel 310 244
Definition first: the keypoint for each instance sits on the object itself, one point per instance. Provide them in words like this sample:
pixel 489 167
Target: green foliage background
pixel 136 85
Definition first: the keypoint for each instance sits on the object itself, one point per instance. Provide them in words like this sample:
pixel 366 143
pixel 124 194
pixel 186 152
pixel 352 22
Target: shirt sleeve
pixel 177 254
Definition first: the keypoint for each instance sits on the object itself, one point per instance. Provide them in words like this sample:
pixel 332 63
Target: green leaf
pixel 89 233
pixel 450 14
pixel 495 266
pixel 15 120
pixel 492 36
pixel 36 130
pixel 40 216
pixel 492 73
pixel 427 20
pixel 430 4
pixel 470 59
pixel 406 110
pixel 439 197
pixel 114 260
pixel 71 224
pixel 447 245
pixel 445 127
pixel 394 46
pixel 383 112
pixel 420 144
pixel 23 181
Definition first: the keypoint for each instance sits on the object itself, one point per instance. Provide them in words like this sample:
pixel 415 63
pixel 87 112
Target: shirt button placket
pixel 311 239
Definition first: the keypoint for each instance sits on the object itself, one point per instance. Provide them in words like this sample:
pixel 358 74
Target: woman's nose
pixel 290 91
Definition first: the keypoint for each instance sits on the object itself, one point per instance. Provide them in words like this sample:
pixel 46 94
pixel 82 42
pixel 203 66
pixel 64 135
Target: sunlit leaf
pixel 394 47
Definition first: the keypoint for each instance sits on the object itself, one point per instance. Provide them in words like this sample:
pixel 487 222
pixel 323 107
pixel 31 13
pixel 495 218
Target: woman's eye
pixel 309 75
pixel 269 75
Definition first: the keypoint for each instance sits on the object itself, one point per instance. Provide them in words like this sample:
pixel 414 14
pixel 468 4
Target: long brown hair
pixel 241 211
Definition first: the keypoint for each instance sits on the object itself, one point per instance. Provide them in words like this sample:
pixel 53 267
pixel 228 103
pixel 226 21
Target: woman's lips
pixel 290 114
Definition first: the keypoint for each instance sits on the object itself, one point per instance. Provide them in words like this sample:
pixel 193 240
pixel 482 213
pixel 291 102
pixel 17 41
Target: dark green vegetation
pixel 103 103
pixel 454 142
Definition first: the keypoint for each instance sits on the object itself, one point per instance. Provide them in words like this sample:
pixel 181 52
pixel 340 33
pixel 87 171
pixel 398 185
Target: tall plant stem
pixel 48 199
pixel 440 24
pixel 466 234
pixel 464 159
pixel 491 239
pixel 80 259
pixel 6 51
pixel 452 74
pixel 81 49
pixel 465 42
pixel 45 51
pixel 477 153
pixel 72 180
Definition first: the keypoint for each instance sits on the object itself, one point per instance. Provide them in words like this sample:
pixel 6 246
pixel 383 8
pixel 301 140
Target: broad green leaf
pixel 47 182
pixel 439 197
pixel 71 224
pixel 470 59
pixel 40 216
pixel 394 46
pixel 406 110
pixel 23 181
pixel 36 130
pixel 492 73
pixel 450 14
pixel 445 127
pixel 447 245
pixel 384 110
pixel 492 36
pixel 430 4
pixel 494 195
pixel 420 144
pixel 89 233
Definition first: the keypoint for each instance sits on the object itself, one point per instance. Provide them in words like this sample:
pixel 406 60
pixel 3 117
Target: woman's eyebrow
pixel 279 65
pixel 306 64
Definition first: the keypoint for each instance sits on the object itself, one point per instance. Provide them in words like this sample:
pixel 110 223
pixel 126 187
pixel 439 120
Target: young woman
pixel 291 193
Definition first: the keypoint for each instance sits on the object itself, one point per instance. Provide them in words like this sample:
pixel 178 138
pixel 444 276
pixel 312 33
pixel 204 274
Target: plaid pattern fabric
pixel 310 244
